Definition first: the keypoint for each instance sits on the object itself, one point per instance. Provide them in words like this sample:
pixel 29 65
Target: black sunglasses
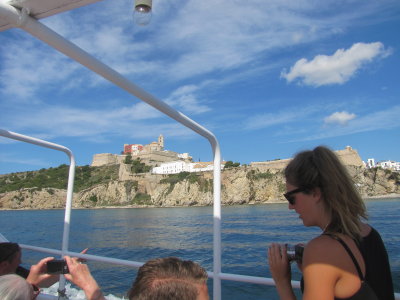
pixel 290 195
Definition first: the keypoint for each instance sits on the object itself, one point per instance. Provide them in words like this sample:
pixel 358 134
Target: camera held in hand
pixel 295 252
pixel 57 266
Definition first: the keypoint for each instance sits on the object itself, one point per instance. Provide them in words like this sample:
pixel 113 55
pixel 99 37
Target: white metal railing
pixel 127 263
pixel 21 18
pixel 71 177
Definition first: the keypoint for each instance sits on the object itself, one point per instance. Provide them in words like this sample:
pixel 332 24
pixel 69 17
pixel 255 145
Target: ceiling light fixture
pixel 142 12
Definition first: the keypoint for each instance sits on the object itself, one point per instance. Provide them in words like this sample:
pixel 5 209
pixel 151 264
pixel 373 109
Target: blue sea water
pixel 145 233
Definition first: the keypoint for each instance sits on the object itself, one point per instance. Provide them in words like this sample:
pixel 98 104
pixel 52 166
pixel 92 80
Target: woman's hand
pixel 280 270
pixel 279 263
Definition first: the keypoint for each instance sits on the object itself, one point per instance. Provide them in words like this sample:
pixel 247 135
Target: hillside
pixel 123 185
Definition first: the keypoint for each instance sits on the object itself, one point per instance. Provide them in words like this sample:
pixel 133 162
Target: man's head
pixel 14 287
pixel 170 279
pixel 10 257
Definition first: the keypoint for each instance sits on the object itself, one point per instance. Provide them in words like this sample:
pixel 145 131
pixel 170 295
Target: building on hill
pixel 151 154
pixel 389 164
pixel 133 149
pixel 348 156
pixel 175 167
pixel 386 164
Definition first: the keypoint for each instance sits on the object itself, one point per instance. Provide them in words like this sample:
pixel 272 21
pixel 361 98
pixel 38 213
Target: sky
pixel 268 78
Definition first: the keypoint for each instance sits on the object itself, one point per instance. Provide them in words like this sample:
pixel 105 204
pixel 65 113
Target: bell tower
pixel 161 141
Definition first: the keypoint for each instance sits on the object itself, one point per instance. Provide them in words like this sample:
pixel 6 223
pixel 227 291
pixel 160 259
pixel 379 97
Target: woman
pixel 348 260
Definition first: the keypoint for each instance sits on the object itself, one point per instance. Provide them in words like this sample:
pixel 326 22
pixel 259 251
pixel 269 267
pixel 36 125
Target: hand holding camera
pixel 57 266
pixel 295 252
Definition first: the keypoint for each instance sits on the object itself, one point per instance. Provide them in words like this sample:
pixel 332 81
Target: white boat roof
pixel 43 8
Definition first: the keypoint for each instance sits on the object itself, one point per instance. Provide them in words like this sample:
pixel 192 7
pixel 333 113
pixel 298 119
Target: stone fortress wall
pixel 348 157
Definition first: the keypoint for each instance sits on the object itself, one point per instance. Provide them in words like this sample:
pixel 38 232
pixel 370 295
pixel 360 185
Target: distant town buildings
pixel 136 149
pixel 152 154
pixel 169 162
pixel 386 164
pixel 175 167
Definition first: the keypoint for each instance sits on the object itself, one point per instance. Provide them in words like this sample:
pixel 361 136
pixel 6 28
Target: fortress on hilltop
pixel 169 162
pixel 348 157
pixel 151 154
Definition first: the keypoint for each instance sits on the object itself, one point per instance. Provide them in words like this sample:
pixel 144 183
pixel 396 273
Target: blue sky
pixel 268 78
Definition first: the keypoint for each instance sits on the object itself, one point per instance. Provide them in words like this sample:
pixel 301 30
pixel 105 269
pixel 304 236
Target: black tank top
pixel 365 292
pixel 378 274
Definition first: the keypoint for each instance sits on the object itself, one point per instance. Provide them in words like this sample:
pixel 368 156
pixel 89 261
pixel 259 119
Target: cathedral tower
pixel 161 141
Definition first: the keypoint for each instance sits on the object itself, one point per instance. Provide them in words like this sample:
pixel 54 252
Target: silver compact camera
pixel 295 252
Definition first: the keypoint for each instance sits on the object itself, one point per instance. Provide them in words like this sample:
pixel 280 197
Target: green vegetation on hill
pixel 231 164
pixel 205 185
pixel 57 177
pixel 137 165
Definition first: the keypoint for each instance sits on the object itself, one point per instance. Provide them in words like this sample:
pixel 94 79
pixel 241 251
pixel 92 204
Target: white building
pixel 172 167
pixel 370 163
pixel 389 164
pixel 175 167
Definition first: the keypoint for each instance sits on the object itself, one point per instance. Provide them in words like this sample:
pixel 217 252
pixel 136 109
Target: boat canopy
pixel 39 9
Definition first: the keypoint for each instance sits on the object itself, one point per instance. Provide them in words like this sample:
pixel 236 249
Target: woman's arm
pixel 320 271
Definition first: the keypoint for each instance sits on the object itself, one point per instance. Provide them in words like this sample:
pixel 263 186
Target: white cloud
pixel 341 118
pixel 261 121
pixel 25 71
pixel 137 120
pixel 337 68
pixel 386 119
pixel 14 159
pixel 185 97
pixel 183 47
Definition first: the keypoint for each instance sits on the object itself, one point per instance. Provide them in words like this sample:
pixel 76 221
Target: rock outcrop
pixel 241 185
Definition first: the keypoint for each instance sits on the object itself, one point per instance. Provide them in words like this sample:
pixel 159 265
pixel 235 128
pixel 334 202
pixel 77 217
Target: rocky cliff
pixel 241 185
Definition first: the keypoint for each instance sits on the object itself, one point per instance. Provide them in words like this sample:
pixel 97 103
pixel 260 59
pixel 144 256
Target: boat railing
pixel 135 264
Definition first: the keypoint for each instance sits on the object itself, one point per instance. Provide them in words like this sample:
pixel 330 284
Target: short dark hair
pixel 168 278
pixel 8 251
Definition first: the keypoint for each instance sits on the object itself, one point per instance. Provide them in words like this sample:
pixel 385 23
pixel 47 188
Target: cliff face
pixel 241 185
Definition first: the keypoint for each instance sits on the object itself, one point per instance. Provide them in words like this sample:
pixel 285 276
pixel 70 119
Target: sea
pixel 140 234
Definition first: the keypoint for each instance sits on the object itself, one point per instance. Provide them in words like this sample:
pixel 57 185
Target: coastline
pixel 392 195
pixel 387 196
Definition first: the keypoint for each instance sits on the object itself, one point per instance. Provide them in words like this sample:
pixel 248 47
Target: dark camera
pixel 57 266
pixel 295 252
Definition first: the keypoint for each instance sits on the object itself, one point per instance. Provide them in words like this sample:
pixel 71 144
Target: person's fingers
pixel 82 260
pixel 70 262
pixel 45 260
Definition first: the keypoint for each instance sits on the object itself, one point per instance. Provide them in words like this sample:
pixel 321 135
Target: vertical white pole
pixel 217 221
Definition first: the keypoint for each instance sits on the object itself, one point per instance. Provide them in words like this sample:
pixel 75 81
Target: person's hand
pixel 39 277
pixel 280 270
pixel 279 263
pixel 80 275
pixel 82 260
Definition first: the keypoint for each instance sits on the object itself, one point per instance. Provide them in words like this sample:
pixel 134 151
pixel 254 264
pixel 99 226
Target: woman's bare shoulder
pixel 322 248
